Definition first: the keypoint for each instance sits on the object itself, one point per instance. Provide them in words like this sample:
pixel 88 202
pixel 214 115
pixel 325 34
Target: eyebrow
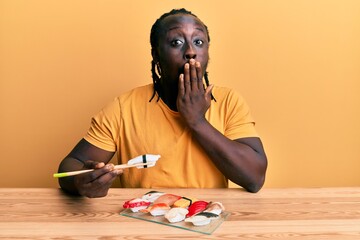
pixel 172 28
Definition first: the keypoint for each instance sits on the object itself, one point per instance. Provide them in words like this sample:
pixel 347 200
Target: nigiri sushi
pixel 176 214
pixel 196 207
pixel 157 209
pixel 202 218
pixel 136 204
pixel 167 198
pixel 215 207
pixel 152 195
pixel 184 202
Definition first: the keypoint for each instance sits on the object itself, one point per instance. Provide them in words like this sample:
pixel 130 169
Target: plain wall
pixel 297 63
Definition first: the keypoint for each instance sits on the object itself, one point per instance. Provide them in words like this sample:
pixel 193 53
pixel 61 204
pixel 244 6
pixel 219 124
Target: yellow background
pixel 297 63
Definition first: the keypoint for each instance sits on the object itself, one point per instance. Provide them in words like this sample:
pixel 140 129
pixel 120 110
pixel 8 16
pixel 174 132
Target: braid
pixel 156 81
pixel 207 84
pixel 154 40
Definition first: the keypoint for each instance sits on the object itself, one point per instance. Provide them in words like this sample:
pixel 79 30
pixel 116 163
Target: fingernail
pixel 100 165
pixel 197 64
pixel 192 61
pixel 186 65
pixel 110 166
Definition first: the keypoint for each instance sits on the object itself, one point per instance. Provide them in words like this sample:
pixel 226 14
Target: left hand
pixel 193 99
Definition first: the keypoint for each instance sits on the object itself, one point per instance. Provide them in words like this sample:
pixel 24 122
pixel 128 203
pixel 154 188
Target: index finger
pixel 98 172
pixel 199 76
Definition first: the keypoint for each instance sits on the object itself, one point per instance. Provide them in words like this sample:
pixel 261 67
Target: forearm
pixel 238 161
pixel 67 165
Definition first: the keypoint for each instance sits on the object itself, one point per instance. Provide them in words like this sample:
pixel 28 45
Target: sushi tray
pixel 187 213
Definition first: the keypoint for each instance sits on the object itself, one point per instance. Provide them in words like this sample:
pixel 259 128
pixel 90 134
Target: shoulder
pixel 229 101
pixel 135 96
pixel 138 93
pixel 225 94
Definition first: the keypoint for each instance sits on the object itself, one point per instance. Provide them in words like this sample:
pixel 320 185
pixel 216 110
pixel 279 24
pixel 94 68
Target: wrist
pixel 198 124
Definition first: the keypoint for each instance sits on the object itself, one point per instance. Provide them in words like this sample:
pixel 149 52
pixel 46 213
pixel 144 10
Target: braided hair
pixel 154 41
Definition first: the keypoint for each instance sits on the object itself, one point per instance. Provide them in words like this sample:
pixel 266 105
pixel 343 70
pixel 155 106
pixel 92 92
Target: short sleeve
pixel 104 129
pixel 239 122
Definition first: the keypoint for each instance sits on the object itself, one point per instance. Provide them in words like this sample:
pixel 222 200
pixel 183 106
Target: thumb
pixel 208 91
pixel 93 164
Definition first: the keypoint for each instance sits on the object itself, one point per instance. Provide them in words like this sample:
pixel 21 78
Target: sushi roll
pixel 167 198
pixel 152 195
pixel 136 204
pixel 176 214
pixel 196 207
pixel 215 207
pixel 202 219
pixel 157 209
pixel 184 202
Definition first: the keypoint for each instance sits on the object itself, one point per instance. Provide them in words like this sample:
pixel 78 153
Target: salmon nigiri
pixel 167 198
pixel 157 209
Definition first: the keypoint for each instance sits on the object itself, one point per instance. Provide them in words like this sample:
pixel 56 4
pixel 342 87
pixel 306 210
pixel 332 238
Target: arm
pixel 87 156
pixel 243 161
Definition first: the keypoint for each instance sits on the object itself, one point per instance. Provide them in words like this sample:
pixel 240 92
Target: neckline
pixel 166 107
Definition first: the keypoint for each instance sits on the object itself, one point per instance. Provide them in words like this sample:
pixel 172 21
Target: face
pixel 183 37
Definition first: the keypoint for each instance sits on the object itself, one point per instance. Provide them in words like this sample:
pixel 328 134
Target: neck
pixel 169 95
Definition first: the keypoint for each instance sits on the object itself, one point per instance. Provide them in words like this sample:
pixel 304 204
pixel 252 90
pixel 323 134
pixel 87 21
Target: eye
pixel 176 42
pixel 199 42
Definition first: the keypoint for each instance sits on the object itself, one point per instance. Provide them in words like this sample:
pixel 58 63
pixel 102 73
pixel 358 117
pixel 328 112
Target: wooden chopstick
pixel 74 173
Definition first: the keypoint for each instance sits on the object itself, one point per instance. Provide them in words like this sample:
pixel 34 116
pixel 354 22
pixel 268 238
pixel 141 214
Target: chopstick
pixel 74 173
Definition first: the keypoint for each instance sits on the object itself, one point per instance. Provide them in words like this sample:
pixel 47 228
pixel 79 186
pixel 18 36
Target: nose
pixel 189 52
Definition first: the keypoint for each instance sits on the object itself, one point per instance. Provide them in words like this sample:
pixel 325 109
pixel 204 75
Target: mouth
pixel 181 68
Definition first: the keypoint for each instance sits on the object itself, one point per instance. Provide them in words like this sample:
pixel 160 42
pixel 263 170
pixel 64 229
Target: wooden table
pixel 292 214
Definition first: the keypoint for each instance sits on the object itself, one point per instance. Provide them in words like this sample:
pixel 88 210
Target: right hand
pixel 97 183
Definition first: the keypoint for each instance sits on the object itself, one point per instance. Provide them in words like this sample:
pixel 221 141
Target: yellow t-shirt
pixel 133 126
